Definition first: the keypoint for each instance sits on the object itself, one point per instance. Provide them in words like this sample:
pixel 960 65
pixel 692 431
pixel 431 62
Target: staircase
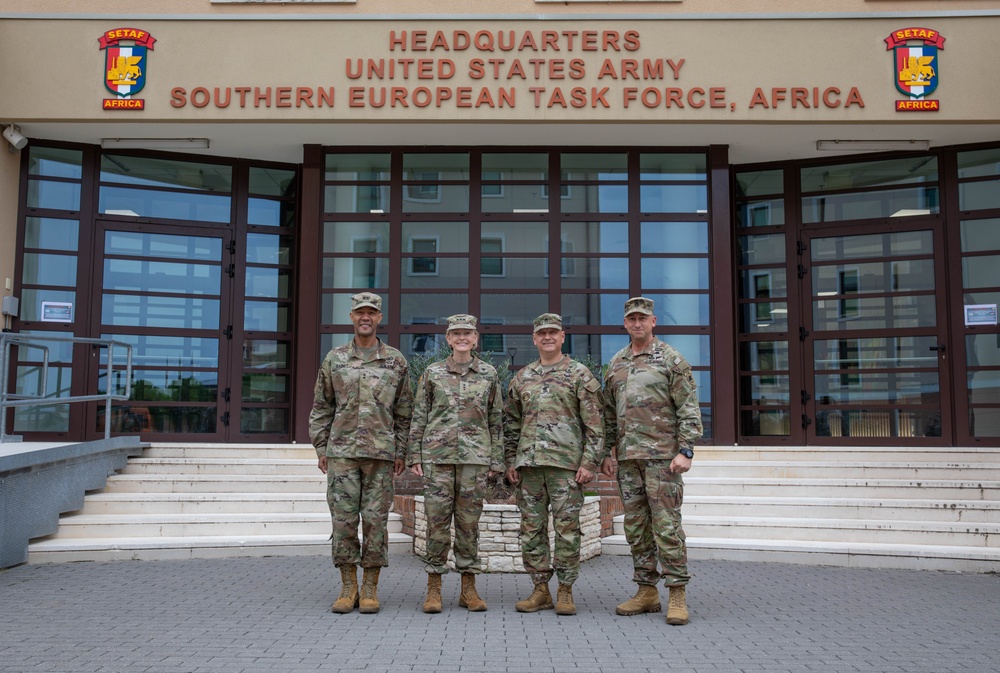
pixel 883 507
pixel 204 501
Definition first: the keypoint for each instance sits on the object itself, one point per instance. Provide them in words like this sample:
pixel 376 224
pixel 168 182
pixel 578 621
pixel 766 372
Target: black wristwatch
pixel 687 453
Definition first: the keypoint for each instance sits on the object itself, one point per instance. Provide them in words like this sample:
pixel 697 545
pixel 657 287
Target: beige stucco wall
pixel 9 164
pixel 753 68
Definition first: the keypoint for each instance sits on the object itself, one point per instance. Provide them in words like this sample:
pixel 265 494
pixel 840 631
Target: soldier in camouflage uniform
pixel 454 444
pixel 652 421
pixel 553 445
pixel 359 425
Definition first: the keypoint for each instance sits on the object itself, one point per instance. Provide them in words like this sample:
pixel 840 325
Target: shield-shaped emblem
pixel 125 69
pixel 916 70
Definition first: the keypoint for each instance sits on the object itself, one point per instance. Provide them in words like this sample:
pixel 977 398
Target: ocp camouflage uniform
pixel 651 411
pixel 360 421
pixel 455 436
pixel 552 427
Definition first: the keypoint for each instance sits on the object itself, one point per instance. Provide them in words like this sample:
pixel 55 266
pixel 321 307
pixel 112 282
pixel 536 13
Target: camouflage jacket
pixel 651 403
pixel 553 418
pixel 362 408
pixel 457 416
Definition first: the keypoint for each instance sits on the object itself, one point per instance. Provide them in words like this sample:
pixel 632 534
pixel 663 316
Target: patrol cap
pixel 639 305
pixel 366 299
pixel 548 321
pixel 461 321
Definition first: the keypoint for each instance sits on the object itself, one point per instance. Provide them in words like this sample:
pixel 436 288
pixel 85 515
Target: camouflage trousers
pixel 453 492
pixel 652 499
pixel 359 489
pixel 540 489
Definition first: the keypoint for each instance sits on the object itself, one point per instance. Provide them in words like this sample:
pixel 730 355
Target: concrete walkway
pixel 271 614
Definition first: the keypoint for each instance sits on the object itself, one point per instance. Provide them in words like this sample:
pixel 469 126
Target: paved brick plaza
pixel 257 615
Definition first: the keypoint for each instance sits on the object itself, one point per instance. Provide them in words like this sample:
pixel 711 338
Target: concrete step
pixel 224 466
pixel 856 454
pixel 216 483
pixel 796 470
pixel 200 503
pixel 955 511
pixel 908 489
pixel 183 450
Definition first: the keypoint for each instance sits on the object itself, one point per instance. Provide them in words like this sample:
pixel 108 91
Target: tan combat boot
pixel 348 599
pixel 677 612
pixel 432 604
pixel 540 599
pixel 646 599
pixel 369 591
pixel 564 600
pixel 469 598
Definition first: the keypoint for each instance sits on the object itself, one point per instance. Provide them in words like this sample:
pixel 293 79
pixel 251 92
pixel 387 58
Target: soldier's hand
pixel 398 467
pixel 608 467
pixel 513 476
pixel 417 469
pixel 680 464
pixel 322 464
pixel 583 476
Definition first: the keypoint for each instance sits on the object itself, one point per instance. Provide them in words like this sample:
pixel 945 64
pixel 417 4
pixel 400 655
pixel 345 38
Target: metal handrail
pixel 11 399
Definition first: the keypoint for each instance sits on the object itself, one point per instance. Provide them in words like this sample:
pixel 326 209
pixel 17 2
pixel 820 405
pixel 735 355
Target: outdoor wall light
pixel 872 145
pixel 14 137
pixel 155 143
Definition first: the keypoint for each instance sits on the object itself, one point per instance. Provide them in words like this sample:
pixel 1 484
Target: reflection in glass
pixel 517 272
pixel 875 313
pixel 980 271
pixel 766 423
pixel 594 273
pixel 761 213
pixel 135 244
pixel 355 272
pixel 672 166
pixel 878 388
pixel 980 235
pixel 516 166
pixel 673 198
pixel 265 387
pixel 435 198
pixel 506 198
pixel 908 275
pixel 513 309
pixel 41 269
pixel 152 276
pixel 760 183
pixel 680 309
pixel 435 272
pixel 675 237
pixel 426 308
pixel 593 309
pixel 984 422
pixel 55 162
pixel 49 233
pixel 905 243
pixel 674 273
pixel 594 166
pixel 595 237
pixel 272 182
pixel 266 316
pixel 263 282
pixel 865 174
pixel 356 199
pixel 448 166
pixel 516 237
pixel 269 249
pixel 984 387
pixel 888 423
pixel 159 351
pixel 165 205
pixel 32 298
pixel 763 249
pixel 53 195
pixel 358 167
pixel 147 311
pixel 270 212
pixel 440 236
pixel 871 205
pixel 356 237
pixel 596 199
pixel 150 385
pixel 153 172
pixel 760 317
pixel 254 420
pixel 979 163
pixel 265 354
pixel 160 420
pixel 763 283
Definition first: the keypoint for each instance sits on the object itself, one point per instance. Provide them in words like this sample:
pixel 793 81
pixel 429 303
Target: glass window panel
pixel 270 212
pixel 452 166
pixel 269 249
pixel 672 166
pixel 435 198
pixel 680 309
pixel 356 199
pixel 979 195
pixel 595 237
pixel 513 309
pixel 764 356
pixel 41 269
pixel 889 423
pixel 675 237
pixel 696 348
pixel 984 422
pixel 265 387
pixel 165 205
pixel 153 276
pixel 152 172
pixel 878 388
pixel 984 387
pixel 500 198
pixel 263 421
pixel 56 384
pixel 47 418
pixel 146 311
pixel 764 249
pixel 427 308
pixel 435 272
pixel 593 309
pixel 266 316
pixel 594 273
pixel 31 301
pixel 868 205
pixel 166 351
pixel 425 344
pixel 356 237
pixel 594 166
pixel 673 198
pixel 760 183
pixel 447 236
pixel 272 182
pixel 162 420
pixel 358 167
pixel 761 213
pixel 150 385
pixel 766 390
pixel 979 163
pixel 875 313
pixel 357 273
pixel 908 275
pixel 904 243
pixel 769 423
pixel 49 233
pixel 980 271
pixel 674 273
pixel 265 354
pixel 59 351
pixel 135 244
pixel 275 283
pixel 982 350
pixel 763 283
pixel 336 308
pixel 980 235
pixel 55 162
pixel 768 316
pixel 875 353
pixel 330 341
pixel 596 199
pixel 518 272
pixel 53 195
pixel 516 236
pixel 981 297
pixel 878 173
pixel 516 166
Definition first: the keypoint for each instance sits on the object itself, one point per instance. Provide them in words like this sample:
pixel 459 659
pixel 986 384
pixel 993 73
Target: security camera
pixel 14 137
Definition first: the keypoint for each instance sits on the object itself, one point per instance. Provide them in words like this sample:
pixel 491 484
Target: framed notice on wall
pixel 57 311
pixel 980 314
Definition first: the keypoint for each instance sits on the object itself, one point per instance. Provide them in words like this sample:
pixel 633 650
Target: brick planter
pixel 499 534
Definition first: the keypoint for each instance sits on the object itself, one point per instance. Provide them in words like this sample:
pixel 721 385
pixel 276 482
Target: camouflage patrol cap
pixel 461 321
pixel 548 321
pixel 366 299
pixel 639 305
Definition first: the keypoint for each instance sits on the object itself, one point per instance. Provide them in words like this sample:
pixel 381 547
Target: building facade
pixel 813 200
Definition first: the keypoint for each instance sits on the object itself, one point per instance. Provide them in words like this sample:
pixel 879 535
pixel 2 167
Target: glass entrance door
pixel 165 291
pixel 875 337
